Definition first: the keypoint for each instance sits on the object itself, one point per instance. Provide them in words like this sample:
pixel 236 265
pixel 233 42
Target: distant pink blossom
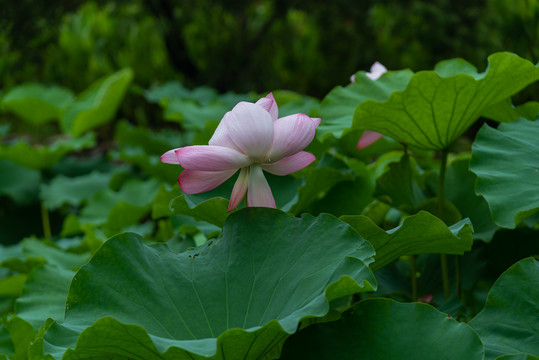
pixel 250 138
pixel 370 137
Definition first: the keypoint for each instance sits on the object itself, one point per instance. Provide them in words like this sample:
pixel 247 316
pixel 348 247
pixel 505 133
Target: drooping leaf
pixel 438 106
pixel 508 323
pixel 385 329
pixel 36 103
pixel 422 233
pixel 64 190
pixel 237 297
pixel 41 156
pixel 506 162
pixel 459 189
pixel 98 104
pixel 44 295
pixel 337 108
pixel 19 183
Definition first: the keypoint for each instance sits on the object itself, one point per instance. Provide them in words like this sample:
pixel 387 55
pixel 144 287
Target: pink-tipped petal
pixel 290 164
pixel 251 128
pixel 259 192
pixel 170 157
pixel 221 137
pixel 194 181
pixel 240 189
pixel 377 70
pixel 269 104
pixel 292 134
pixel 368 138
pixel 211 158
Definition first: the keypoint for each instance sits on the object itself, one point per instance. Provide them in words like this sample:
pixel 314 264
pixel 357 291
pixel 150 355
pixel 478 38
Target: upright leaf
pixel 506 162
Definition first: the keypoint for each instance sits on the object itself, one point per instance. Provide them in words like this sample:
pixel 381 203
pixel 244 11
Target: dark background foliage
pixel 306 46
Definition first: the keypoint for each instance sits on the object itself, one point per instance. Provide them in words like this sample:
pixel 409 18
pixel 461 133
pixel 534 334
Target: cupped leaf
pixel 508 323
pixel 385 329
pixel 213 211
pixel 337 108
pixel 236 297
pixel 98 104
pixel 506 162
pixel 36 103
pixel 41 156
pixel 422 233
pixel 438 106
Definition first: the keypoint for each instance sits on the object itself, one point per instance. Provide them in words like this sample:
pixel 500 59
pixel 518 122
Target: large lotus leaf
pixel 66 190
pixel 459 189
pixel 383 329
pixel 36 103
pixel 435 109
pixel 44 295
pixel 21 333
pixel 236 297
pixel 506 162
pixel 422 233
pixel 509 322
pixel 18 182
pixel 98 104
pixel 337 108
pixel 40 156
pixel 518 357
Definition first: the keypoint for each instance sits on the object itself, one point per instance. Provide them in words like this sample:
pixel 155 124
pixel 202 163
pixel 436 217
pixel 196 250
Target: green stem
pixel 414 278
pixel 46 222
pixel 458 278
pixel 441 200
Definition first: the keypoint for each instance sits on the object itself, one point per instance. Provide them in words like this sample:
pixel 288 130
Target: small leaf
pixel 435 110
pixel 40 156
pixel 506 162
pixel 213 211
pixel 422 233
pixel 508 323
pixel 98 104
pixel 386 329
pixel 36 103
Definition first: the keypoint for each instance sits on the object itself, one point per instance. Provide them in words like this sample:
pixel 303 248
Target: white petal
pixel 269 104
pixel 251 128
pixel 377 70
pixel 240 189
pixel 259 192
pixel 211 158
pixel 292 134
pixel 194 181
pixel 290 164
pixel 170 157
pixel 221 137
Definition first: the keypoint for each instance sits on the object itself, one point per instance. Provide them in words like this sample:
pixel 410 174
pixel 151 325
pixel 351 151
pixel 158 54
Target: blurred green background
pixel 242 46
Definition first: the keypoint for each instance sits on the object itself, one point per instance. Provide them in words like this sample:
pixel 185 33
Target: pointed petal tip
pixel 368 138
pixel 170 157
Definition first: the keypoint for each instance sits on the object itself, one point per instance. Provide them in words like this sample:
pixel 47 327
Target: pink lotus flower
pixel 252 139
pixel 370 137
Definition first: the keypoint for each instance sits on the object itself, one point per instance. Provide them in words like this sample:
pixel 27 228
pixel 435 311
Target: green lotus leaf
pixel 36 103
pixel 506 162
pixel 386 329
pixel 337 108
pixel 18 182
pixel 98 104
pixel 422 233
pixel 21 334
pixel 213 211
pixel 508 323
pixel 459 189
pixel 518 357
pixel 43 156
pixel 66 190
pixel 438 106
pixel 239 296
pixel 44 295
